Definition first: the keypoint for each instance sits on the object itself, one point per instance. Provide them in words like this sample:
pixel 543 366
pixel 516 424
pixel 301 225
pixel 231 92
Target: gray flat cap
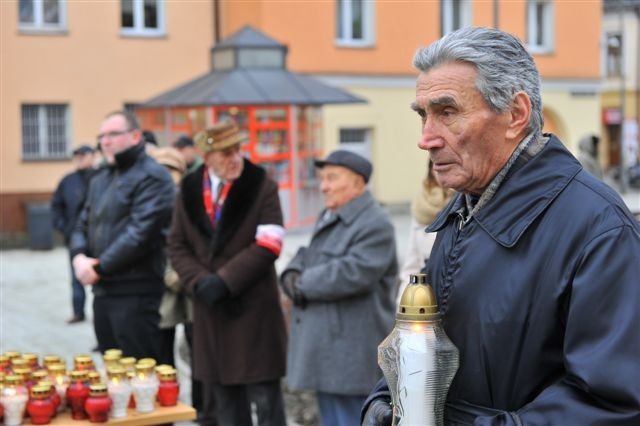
pixel 350 160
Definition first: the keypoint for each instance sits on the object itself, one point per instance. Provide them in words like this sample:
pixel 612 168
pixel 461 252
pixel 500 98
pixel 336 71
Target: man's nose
pixel 431 137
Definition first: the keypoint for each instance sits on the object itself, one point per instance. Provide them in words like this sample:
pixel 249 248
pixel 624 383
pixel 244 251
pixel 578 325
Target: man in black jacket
pixel 118 241
pixel 65 205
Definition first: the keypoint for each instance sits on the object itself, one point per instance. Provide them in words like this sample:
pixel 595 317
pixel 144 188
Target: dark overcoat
pixel 540 293
pixel 242 339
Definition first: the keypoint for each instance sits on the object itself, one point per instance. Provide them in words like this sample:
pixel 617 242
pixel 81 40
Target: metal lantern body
pixel 418 359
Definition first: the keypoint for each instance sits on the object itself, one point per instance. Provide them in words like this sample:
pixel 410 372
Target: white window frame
pixel 548 22
pixel 43 134
pixel 39 26
pixel 344 21
pixel 447 15
pixel 139 30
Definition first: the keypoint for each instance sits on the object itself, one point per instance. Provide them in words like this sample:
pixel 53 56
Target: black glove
pixel 379 413
pixel 211 289
pixel 288 282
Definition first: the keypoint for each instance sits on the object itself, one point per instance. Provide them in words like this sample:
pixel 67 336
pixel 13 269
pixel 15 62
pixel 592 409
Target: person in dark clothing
pixel 118 243
pixel 535 264
pixel 65 205
pixel 184 144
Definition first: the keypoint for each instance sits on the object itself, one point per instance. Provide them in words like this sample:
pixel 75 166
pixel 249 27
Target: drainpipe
pixel 624 175
pixel 496 14
pixel 216 21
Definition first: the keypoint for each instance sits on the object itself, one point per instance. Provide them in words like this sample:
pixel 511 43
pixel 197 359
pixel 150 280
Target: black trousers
pixel 232 404
pixel 129 323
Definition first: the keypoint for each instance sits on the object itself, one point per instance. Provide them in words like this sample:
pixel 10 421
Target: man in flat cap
pixel 66 205
pixel 226 235
pixel 343 287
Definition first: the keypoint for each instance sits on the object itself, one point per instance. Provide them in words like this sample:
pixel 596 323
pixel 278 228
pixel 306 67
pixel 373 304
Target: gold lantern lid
pixel 98 389
pixel 94 377
pixel 13 380
pixel 116 373
pixel 147 361
pixel 418 301
pixel 4 360
pixel 48 360
pixel 128 362
pixel 57 369
pixel 82 361
pixel 46 383
pixel 81 375
pixel 113 352
pixel 2 376
pixel 19 363
pixel 12 354
pixel 38 375
pixel 24 372
pixel 40 392
pixel 168 374
pixel 31 358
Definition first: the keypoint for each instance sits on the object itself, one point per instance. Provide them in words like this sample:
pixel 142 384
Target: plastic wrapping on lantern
pixel 418 359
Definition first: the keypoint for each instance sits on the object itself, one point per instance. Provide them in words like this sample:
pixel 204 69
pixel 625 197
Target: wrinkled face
pixel 115 136
pixel 466 139
pixel 227 164
pixel 339 185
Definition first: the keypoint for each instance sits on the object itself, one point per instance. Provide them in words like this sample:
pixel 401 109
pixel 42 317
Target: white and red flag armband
pixel 270 237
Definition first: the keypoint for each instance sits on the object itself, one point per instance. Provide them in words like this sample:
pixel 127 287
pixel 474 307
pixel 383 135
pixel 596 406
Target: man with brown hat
pixel 226 235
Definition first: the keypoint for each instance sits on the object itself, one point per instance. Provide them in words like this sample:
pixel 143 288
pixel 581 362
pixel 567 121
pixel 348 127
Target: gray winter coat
pixel 348 275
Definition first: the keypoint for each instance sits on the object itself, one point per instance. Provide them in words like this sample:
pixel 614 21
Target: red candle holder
pixel 169 390
pixel 40 407
pixel 53 395
pixel 98 404
pixel 77 394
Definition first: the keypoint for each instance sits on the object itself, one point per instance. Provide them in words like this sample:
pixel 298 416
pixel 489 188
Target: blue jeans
pixel 340 410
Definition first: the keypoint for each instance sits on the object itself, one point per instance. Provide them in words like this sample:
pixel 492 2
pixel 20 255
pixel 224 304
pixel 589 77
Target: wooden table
pixel 160 415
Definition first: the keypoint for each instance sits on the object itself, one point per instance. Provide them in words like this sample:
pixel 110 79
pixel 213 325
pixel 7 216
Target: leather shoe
pixel 75 319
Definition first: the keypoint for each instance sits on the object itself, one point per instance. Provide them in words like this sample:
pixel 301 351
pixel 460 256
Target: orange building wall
pixel 402 26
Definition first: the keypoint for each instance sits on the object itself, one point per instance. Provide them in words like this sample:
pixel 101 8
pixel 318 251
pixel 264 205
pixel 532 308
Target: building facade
pixel 65 64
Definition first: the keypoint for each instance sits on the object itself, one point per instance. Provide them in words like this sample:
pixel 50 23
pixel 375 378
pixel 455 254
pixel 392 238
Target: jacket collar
pixel 347 213
pixel 528 189
pixel 128 157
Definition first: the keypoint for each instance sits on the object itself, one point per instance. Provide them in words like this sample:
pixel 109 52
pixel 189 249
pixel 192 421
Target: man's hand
pixel 289 281
pixel 378 414
pixel 83 268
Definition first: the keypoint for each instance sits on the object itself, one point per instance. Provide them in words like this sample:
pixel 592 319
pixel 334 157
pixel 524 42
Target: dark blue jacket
pixel 68 199
pixel 540 292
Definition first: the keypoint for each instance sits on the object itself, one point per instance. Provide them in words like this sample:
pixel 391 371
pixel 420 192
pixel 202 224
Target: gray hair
pixel 503 64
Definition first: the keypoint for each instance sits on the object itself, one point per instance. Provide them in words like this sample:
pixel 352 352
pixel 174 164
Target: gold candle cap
pixel 38 375
pixel 161 367
pixel 12 354
pixel 131 374
pixel 418 301
pixel 98 389
pixel 46 383
pixel 128 362
pixel 24 372
pixel 19 363
pixel 40 392
pixel 3 375
pixel 56 369
pixel 13 380
pixel 94 377
pixel 168 374
pixel 116 373
pixel 31 358
pixel 113 352
pixel 81 375
pixel 110 357
pixel 4 360
pixel 82 361
pixel 147 361
pixel 48 360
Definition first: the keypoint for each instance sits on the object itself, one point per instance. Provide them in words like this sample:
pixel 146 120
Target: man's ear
pixel 519 119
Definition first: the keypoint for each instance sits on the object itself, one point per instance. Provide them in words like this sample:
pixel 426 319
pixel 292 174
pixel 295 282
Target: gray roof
pixel 252 86
pixel 248 37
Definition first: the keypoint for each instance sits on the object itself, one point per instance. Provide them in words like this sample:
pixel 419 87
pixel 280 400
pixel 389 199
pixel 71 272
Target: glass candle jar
pixel 39 375
pixel 55 398
pixel 49 360
pixel 98 404
pixel 168 390
pixel 77 393
pixel 145 387
pixel 110 360
pixel 40 407
pixel 94 377
pixel 13 398
pixel 119 390
pixel 58 376
pixel 25 374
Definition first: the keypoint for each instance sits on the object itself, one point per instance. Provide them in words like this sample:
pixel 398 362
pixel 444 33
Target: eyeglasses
pixel 112 135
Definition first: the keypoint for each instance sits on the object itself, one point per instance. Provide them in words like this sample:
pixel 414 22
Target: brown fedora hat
pixel 221 136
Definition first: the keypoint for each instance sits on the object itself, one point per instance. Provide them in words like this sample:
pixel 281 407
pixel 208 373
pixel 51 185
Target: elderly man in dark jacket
pixel 536 262
pixel 119 240
pixel 226 235
pixel 66 204
pixel 343 288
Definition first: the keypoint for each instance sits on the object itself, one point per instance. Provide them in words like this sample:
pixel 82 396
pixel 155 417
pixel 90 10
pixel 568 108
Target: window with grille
pixel 42 15
pixel 355 23
pixel 454 14
pixel 142 17
pixel 540 31
pixel 45 131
